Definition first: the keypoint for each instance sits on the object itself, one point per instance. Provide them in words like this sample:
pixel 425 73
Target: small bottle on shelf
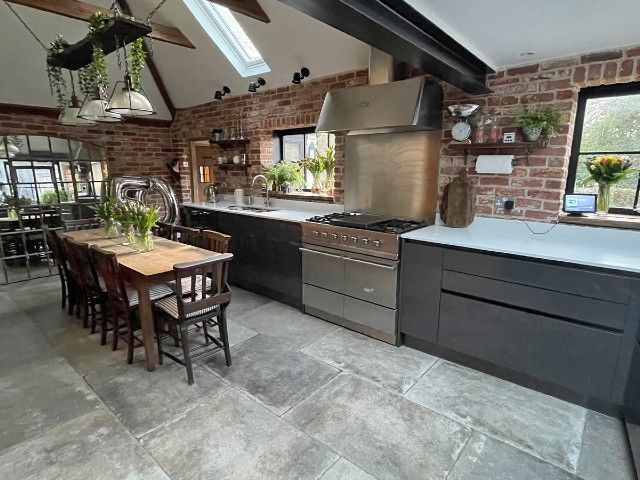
pixel 479 135
pixel 494 134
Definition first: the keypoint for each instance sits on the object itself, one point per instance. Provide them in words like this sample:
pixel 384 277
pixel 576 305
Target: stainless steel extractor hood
pixel 403 106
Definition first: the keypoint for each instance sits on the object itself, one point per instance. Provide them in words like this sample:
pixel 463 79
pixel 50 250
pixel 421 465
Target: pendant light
pixel 69 116
pixel 95 109
pixel 128 101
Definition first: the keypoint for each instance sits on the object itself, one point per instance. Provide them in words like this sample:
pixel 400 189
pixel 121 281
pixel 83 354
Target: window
pixel 296 144
pixel 607 123
pixel 229 36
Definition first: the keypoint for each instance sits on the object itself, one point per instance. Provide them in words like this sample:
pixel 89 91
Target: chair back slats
pixel 74 260
pixel 215 241
pixel 82 224
pixel 55 245
pixel 186 235
pixel 107 267
pixel 164 230
pixel 84 261
pixel 203 295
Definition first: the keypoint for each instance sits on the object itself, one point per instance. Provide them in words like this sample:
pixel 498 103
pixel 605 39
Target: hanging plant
pixel 137 56
pixel 57 84
pixel 97 70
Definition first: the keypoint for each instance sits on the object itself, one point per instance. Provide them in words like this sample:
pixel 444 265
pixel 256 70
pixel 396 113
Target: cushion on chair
pixel 155 293
pixel 169 305
pixel 186 286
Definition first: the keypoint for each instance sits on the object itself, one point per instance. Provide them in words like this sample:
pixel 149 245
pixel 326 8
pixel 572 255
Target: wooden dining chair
pixel 54 242
pixel 94 295
pixel 82 224
pixel 215 241
pixel 164 230
pixel 87 297
pixel 203 302
pixel 122 300
pixel 187 235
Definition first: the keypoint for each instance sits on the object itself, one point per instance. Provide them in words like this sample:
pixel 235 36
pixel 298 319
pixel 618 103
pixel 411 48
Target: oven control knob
pixel 343 238
pixel 325 234
pixel 316 233
pixel 334 236
pixel 354 239
pixel 365 241
pixel 376 243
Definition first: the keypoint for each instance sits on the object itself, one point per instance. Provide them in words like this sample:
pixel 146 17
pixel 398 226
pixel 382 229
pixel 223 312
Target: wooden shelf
pixel 226 166
pixel 80 54
pixel 526 147
pixel 229 144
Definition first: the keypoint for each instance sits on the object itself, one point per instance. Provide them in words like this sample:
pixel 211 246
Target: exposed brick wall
pixel 130 149
pixel 539 185
pixel 293 106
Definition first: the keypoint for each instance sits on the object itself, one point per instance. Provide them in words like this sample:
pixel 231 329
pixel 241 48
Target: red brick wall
pixel 539 185
pixel 130 149
pixel 263 112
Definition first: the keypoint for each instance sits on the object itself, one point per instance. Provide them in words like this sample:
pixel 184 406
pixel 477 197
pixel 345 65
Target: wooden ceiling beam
pixel 78 10
pixel 250 8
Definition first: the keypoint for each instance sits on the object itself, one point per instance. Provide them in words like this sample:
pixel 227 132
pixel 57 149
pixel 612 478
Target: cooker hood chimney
pixel 383 106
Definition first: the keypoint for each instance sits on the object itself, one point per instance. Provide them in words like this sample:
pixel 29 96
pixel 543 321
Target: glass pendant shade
pixel 128 101
pixel 69 116
pixel 96 110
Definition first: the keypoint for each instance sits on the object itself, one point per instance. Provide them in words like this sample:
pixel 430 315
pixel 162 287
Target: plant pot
pixel 284 188
pixel 531 134
pixel 604 198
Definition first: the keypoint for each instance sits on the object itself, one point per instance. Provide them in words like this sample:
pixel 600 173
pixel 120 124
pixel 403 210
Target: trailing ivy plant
pixel 137 56
pixel 97 74
pixel 57 84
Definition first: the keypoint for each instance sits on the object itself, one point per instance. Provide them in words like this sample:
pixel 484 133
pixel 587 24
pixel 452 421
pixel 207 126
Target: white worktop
pixel 280 209
pixel 591 246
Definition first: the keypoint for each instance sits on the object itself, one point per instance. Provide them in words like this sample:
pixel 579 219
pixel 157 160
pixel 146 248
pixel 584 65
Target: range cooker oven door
pixel 357 291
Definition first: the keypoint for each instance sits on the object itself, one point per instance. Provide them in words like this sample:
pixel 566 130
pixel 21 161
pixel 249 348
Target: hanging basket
pixel 79 54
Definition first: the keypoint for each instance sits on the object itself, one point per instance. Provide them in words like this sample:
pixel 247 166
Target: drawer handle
pixel 371 264
pixel 318 253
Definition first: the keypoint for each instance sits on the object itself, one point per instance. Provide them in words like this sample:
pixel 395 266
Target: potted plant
pixel 606 171
pixel 328 159
pixel 51 196
pixel 316 167
pixel 14 203
pixel 289 175
pixel 106 212
pixel 136 57
pixel 539 121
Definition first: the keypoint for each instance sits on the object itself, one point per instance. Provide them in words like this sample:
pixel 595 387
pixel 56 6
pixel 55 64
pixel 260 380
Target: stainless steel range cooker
pixel 350 271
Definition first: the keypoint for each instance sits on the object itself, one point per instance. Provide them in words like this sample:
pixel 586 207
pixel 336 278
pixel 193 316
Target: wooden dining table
pixel 144 270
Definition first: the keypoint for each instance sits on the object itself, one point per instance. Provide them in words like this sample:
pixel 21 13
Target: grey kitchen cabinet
pixel 267 259
pixel 567 330
pixel 420 281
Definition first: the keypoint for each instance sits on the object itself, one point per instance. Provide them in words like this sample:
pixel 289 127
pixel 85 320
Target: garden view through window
pixel 608 123
pixel 301 143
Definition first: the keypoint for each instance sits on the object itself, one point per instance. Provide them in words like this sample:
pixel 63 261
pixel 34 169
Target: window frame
pixel 615 90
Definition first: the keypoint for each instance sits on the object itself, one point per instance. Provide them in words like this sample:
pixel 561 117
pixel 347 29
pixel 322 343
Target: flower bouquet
pixel 328 159
pixel 606 171
pixel 142 219
pixel 316 167
pixel 106 212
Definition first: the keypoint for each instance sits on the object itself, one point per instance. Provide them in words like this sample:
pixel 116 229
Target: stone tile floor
pixel 304 399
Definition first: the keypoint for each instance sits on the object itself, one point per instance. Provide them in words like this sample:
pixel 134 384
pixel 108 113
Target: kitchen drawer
pixel 577 357
pixel 611 288
pixel 323 270
pixel 372 316
pixel 321 299
pixel 588 310
pixel 371 282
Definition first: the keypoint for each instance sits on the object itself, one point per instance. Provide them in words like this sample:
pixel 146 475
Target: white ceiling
pixel 498 31
pixel 292 40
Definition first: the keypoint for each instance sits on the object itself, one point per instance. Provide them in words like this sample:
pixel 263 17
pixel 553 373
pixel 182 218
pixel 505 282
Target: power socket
pixel 501 200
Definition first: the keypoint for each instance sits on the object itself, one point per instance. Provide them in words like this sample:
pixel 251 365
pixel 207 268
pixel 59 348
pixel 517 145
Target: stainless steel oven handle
pixel 370 263
pixel 318 252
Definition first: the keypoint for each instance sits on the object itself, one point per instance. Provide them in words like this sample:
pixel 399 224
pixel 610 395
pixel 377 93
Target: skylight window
pixel 229 36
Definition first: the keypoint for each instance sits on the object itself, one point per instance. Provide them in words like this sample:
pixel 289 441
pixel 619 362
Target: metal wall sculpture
pixel 137 189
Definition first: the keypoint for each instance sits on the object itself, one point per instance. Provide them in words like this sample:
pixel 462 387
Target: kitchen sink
pixel 249 208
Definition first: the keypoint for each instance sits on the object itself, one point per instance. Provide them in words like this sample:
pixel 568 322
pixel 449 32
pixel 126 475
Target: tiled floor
pixel 304 399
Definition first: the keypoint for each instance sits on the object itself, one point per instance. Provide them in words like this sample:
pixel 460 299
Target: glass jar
pixel 145 241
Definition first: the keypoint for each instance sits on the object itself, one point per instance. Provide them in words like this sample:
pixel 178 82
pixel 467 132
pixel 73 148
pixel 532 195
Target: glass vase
pixel 316 186
pixel 128 236
pixel 110 229
pixel 329 183
pixel 604 198
pixel 145 241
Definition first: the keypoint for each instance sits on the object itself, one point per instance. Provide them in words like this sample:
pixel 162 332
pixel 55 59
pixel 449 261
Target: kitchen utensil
pixel 236 159
pixel 238 195
pixel 222 160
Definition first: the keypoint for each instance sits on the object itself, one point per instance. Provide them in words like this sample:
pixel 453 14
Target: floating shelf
pixel 226 166
pixel 525 147
pixel 229 144
pixel 79 54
